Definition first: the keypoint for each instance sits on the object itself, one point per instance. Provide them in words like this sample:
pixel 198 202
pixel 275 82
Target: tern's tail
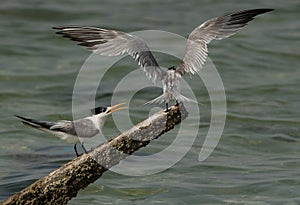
pixel 162 99
pixel 182 98
pixel 159 100
pixel 35 123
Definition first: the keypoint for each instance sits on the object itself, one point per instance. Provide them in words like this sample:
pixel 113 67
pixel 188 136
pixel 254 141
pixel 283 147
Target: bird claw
pixel 84 148
pixel 75 149
pixel 167 108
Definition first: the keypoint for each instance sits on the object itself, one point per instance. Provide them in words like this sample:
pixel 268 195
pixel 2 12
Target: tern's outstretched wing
pixel 80 128
pixel 216 28
pixel 112 43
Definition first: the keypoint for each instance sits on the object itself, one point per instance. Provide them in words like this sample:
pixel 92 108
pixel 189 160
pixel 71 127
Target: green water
pixel 257 160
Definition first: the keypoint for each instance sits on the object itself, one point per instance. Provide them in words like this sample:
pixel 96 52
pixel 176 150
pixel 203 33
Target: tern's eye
pixel 104 109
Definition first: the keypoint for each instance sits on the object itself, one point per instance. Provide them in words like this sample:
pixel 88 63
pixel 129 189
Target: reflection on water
pixel 257 159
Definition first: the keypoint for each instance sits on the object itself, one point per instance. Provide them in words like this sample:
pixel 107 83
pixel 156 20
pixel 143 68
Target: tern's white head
pixel 100 113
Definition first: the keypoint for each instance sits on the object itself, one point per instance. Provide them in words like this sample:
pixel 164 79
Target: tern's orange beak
pixel 115 108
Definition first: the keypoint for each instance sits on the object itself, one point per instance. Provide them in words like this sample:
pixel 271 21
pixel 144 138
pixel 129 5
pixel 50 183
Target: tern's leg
pixel 83 148
pixel 75 149
pixel 167 107
pixel 177 103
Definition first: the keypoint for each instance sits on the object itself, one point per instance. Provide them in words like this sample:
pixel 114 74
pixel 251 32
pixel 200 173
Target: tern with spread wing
pixel 112 43
pixel 69 131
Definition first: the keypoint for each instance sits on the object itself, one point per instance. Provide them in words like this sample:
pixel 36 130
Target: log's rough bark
pixel 64 183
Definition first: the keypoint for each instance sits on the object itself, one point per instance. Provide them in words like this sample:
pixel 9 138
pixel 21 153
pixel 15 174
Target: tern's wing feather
pixel 112 43
pixel 36 123
pixel 81 127
pixel 215 28
pixel 64 126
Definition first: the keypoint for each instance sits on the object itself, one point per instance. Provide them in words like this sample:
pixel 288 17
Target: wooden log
pixel 64 183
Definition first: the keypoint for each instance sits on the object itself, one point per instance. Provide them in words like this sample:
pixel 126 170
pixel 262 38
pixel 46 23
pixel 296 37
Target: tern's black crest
pixel 172 68
pixel 98 110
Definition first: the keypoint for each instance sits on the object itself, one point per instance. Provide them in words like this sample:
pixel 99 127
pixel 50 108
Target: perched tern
pixel 69 131
pixel 112 43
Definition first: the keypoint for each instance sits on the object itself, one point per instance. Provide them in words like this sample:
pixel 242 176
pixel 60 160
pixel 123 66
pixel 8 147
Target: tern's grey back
pixel 82 128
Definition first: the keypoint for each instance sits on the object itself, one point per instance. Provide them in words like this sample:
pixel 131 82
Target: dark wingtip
pixel 245 16
pixel 24 119
pixel 60 27
pixel 250 12
pixel 59 32
pixel 20 117
pixel 257 11
pixel 264 10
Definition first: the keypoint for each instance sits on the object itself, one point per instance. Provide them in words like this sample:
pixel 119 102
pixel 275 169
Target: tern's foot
pixel 84 148
pixel 75 149
pixel 167 108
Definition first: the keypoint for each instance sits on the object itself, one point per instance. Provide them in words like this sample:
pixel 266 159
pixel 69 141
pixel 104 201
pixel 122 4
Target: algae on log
pixel 64 183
